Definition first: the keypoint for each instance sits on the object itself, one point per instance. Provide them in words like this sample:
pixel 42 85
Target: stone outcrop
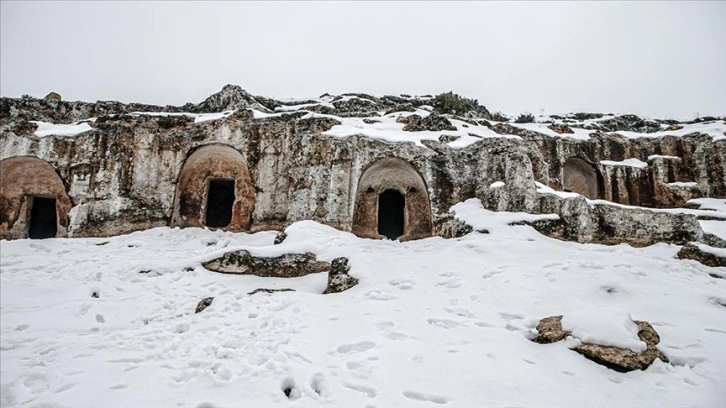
pixel 609 224
pixel 285 266
pixel 338 278
pixel 695 252
pixel 135 171
pixel 550 330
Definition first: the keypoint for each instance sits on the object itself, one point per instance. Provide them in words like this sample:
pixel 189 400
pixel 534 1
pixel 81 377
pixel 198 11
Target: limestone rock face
pixel 285 266
pixel 550 330
pixel 338 278
pixel 608 224
pixel 136 171
pixel 693 251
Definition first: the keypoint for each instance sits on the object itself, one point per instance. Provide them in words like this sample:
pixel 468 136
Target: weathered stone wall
pixel 126 174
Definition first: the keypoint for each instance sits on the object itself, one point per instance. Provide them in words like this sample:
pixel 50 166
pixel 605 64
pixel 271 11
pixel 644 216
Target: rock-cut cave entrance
pixel 391 205
pixel 220 199
pixel 391 201
pixel 214 190
pixel 43 218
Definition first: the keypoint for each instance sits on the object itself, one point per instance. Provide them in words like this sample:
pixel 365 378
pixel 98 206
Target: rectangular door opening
pixel 391 205
pixel 220 199
pixel 43 218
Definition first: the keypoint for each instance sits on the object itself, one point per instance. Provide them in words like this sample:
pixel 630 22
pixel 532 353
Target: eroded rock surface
pixel 550 330
pixel 286 266
pixel 128 172
pixel 338 278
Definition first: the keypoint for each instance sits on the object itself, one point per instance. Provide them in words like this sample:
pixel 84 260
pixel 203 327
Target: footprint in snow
pixel 368 391
pixel 359 347
pixel 319 384
pixel 402 283
pixel 290 389
pixel 444 323
pixel 379 295
pixel 420 396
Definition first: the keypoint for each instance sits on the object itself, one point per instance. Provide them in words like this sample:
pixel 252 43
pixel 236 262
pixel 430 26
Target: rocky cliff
pixel 128 167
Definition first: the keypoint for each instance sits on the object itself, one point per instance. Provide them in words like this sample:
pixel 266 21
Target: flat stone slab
pixel 285 266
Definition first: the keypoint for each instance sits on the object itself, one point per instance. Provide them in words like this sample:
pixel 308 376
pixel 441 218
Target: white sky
pixel 653 58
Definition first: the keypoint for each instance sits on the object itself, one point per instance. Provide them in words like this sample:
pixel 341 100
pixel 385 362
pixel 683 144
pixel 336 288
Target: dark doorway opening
pixel 43 218
pixel 390 214
pixel 220 199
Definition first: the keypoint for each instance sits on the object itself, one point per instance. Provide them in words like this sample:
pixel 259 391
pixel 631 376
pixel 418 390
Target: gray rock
pixel 338 278
pixel 285 266
pixel 280 238
pixel 203 304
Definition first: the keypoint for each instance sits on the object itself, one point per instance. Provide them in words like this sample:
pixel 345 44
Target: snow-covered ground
pixel 433 322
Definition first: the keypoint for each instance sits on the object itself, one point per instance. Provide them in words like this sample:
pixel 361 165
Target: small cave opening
pixel 220 200
pixel 43 218
pixel 391 204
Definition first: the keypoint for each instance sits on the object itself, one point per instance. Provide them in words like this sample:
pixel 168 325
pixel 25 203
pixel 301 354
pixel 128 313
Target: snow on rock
pixel 51 129
pixel 717 228
pixel 683 184
pixel 715 204
pixel 473 213
pixel 389 129
pixel 632 162
pixel 605 327
pixel 543 189
pixel 198 117
pixel 497 184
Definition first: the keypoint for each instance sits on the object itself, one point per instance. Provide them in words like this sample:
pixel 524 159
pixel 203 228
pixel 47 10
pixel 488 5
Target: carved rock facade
pixel 134 171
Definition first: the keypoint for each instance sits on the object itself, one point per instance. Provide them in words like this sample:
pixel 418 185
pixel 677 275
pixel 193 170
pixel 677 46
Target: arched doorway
pixel 581 177
pixel 33 200
pixel 392 201
pixel 214 190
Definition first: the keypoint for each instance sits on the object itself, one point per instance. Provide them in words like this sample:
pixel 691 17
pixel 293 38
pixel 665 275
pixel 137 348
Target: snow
pixel 51 129
pixel 472 212
pixel 198 117
pixel 683 184
pixel 543 189
pixel 432 322
pixel 717 228
pixel 715 129
pixel 391 131
pixel 604 326
pixel 712 250
pixel 497 184
pixel 632 162
pixel 578 133
pixel 655 156
pixel 716 204
pixel 290 108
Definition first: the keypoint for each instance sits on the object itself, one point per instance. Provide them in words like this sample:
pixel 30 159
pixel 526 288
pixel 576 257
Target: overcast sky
pixel 654 58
